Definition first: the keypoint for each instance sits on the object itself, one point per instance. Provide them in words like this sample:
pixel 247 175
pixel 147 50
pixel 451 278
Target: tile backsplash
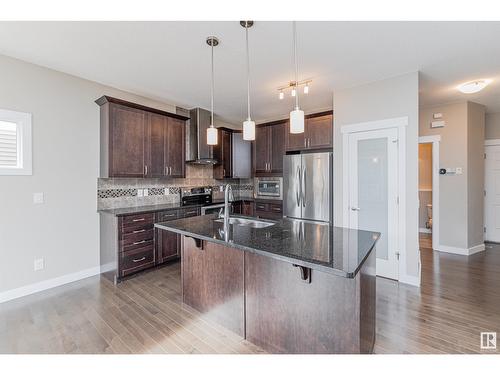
pixel 124 192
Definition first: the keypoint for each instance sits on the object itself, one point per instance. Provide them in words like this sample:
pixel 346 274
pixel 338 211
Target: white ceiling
pixel 170 60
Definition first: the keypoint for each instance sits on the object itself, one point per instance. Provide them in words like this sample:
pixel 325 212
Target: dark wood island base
pixel 280 307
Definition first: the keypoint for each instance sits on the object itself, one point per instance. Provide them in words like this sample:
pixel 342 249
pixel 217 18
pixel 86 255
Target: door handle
pixel 146 170
pixel 304 192
pixel 170 171
pixel 355 209
pixel 298 194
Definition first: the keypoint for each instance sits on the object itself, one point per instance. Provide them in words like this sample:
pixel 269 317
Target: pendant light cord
pixel 248 74
pixel 212 88
pixel 296 65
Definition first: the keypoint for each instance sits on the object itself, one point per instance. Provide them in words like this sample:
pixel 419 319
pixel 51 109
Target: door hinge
pixel 484 230
pixel 397 255
pixel 485 193
pixel 485 155
pixel 395 140
pixel 397 201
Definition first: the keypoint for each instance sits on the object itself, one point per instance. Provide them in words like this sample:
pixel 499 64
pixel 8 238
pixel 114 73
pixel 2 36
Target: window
pixel 15 143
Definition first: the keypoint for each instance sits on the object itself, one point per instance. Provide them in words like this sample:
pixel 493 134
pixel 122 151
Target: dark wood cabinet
pixel 318 133
pixel 269 209
pixel 223 153
pixel 167 244
pixel 268 149
pixel 138 141
pixel 247 208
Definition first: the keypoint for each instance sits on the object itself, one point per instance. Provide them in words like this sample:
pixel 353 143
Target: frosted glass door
pixel 373 192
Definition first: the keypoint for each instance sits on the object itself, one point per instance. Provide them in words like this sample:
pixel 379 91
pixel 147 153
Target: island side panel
pixel 286 315
pixel 367 303
pixel 213 282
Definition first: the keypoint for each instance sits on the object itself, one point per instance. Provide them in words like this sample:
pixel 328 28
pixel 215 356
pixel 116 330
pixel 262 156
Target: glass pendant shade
pixel 211 136
pixel 297 121
pixel 249 130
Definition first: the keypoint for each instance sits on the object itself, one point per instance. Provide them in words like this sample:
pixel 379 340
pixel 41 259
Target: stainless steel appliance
pixel 197 150
pixel 307 182
pixel 197 195
pixel 268 188
pixel 212 209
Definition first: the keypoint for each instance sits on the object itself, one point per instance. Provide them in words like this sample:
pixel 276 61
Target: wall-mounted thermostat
pixel 437 115
pixel 437 124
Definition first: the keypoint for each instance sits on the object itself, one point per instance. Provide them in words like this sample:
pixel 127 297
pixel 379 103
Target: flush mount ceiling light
pixel 248 125
pixel 473 86
pixel 297 115
pixel 212 41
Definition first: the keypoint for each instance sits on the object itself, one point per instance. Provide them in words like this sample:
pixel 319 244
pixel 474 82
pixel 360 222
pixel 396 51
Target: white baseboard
pixel 108 267
pixel 424 230
pixel 48 284
pixel 461 251
pixel 410 280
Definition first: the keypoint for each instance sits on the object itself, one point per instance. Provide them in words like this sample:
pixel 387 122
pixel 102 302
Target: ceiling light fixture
pixel 292 86
pixel 248 125
pixel 473 86
pixel 281 95
pixel 296 116
pixel 212 41
pixel 306 89
pixel 294 92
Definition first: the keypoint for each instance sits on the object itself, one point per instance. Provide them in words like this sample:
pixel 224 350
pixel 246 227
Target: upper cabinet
pixel 268 149
pixel 138 141
pixel 318 133
pixel 233 155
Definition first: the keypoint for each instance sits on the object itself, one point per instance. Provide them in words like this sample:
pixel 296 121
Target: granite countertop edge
pixel 288 259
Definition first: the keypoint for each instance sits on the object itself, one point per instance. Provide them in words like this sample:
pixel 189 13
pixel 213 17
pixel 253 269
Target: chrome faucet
pixel 228 197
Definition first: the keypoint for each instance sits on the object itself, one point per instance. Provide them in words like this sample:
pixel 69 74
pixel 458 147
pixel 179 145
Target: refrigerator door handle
pixel 298 194
pixel 303 188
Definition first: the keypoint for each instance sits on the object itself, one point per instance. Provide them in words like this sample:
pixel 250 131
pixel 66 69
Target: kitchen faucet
pixel 228 196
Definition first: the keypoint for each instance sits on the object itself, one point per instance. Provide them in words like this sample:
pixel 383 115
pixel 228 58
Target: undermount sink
pixel 247 222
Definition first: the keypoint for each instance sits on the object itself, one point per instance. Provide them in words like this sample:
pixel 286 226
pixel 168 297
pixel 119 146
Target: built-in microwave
pixel 269 188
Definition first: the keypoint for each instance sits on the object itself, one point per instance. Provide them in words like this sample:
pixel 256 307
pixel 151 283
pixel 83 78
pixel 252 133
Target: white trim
pixel 424 230
pixel 374 125
pixel 24 146
pixel 410 280
pixel 108 267
pixel 48 284
pixel 460 250
pixel 435 140
pixel 400 124
pixel 492 142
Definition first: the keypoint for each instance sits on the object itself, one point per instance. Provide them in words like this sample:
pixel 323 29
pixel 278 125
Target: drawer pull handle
pixel 137 243
pixel 138 260
pixel 136 220
pixel 168 215
pixel 139 231
pixel 190 212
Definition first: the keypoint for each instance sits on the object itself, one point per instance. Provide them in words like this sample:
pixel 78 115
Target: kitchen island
pixel 289 286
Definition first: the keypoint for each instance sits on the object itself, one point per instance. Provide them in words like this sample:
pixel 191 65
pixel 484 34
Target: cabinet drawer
pixel 167 215
pixel 137 259
pixel 275 208
pixel 190 212
pixel 260 206
pixel 137 219
pixel 137 236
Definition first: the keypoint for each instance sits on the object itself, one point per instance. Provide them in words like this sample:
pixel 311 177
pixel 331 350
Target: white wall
pixel 65 229
pixel 390 98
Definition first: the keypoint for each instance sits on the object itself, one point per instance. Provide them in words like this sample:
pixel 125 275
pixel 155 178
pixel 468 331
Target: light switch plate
pixel 140 192
pixel 38 264
pixel 38 198
pixel 145 192
pixel 458 170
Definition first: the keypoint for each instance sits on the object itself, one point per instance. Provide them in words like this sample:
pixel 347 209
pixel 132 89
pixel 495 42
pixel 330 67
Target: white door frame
pixel 400 123
pixel 488 142
pixel 435 140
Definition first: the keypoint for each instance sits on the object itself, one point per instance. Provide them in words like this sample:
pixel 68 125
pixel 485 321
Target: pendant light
pixel 248 125
pixel 212 41
pixel 296 116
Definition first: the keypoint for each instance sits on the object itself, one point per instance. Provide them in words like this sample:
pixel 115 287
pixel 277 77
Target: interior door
pixel 492 197
pixel 373 189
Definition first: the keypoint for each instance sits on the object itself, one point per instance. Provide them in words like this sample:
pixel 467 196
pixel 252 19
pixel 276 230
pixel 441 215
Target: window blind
pixel 8 144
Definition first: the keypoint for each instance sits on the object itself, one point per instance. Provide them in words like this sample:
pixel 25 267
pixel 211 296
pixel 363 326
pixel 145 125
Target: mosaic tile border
pixel 155 191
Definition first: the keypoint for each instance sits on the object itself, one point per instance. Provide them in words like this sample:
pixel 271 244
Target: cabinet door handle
pixel 136 220
pixel 138 260
pixel 305 142
pixel 138 243
pixel 168 215
pixel 165 171
pixel 139 231
pixel 146 170
pixel 170 171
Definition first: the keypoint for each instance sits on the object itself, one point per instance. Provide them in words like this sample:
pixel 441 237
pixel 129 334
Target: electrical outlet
pixel 146 192
pixel 38 198
pixel 38 264
pixel 458 170
pixel 140 192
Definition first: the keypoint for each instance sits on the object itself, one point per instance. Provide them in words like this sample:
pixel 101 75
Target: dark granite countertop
pixel 319 246
pixel 160 207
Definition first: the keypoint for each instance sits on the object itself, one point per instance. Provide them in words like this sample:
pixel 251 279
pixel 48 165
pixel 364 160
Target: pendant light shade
pixel 296 116
pixel 212 137
pixel 248 125
pixel 249 130
pixel 297 121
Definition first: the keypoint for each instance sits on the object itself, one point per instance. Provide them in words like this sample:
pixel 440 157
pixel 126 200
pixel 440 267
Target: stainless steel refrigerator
pixel 307 186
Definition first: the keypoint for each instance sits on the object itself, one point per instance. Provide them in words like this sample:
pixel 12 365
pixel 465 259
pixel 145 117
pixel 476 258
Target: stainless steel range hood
pixel 197 150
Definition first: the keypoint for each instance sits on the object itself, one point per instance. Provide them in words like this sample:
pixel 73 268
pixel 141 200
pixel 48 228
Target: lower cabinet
pixel 247 208
pixel 267 209
pixel 213 282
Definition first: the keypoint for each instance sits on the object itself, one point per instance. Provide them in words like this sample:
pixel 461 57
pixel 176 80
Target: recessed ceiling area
pixel 170 61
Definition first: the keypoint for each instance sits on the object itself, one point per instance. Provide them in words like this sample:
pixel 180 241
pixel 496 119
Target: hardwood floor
pixel 459 298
